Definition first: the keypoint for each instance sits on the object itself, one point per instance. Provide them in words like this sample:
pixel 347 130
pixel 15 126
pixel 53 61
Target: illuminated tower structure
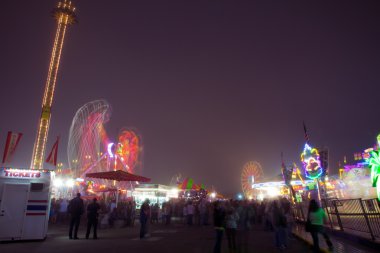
pixel 64 13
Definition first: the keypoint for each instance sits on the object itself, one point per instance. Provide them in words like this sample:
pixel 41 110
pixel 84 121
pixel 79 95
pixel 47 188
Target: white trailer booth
pixel 24 203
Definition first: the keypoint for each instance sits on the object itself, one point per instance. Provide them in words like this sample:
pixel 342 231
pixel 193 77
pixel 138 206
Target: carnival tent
pixel 118 175
pixel 188 184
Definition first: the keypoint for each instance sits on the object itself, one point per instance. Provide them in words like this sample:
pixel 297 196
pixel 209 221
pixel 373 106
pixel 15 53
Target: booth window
pixel 36 187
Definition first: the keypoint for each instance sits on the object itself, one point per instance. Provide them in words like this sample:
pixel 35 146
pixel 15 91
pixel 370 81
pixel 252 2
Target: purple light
pixel 109 149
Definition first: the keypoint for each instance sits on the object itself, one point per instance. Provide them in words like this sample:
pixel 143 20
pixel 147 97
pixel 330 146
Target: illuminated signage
pixel 311 162
pixel 15 173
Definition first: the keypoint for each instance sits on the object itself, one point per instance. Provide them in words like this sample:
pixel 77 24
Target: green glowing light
pixel 374 164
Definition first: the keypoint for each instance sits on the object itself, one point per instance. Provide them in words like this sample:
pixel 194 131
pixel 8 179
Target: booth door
pixel 12 210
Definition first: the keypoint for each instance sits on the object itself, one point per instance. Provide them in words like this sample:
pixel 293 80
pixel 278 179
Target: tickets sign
pixel 17 173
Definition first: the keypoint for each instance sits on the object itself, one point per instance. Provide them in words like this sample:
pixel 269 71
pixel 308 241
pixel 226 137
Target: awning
pixel 118 175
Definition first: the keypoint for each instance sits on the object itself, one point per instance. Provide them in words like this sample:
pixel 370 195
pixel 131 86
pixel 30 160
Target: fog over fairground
pixel 208 84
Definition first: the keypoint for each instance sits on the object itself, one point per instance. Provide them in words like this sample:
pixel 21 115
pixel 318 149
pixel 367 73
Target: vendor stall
pixel 156 193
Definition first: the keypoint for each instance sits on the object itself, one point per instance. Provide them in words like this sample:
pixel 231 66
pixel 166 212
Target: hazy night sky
pixel 209 85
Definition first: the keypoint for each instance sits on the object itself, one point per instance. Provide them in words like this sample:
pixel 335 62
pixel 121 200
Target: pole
pixel 117 196
pixel 319 193
pixel 366 219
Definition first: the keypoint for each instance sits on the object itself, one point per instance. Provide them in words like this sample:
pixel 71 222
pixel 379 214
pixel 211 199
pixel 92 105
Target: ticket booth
pixel 24 203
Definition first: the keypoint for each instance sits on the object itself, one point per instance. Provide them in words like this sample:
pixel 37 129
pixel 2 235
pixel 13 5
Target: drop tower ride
pixel 64 14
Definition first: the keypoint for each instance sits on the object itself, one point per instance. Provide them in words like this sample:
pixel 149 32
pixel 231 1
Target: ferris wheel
pixel 252 173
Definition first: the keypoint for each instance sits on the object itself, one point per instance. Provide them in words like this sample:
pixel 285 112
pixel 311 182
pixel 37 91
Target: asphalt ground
pixel 176 238
pixel 341 244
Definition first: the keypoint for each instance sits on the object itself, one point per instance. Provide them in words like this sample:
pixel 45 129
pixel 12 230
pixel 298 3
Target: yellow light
pixel 39 146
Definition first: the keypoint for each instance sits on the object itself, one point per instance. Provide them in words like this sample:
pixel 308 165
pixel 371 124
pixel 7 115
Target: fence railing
pixel 354 214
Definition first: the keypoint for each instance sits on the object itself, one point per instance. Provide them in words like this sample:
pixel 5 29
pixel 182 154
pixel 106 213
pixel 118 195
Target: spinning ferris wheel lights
pixel 251 173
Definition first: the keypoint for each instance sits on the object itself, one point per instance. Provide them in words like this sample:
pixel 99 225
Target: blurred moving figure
pixel 317 217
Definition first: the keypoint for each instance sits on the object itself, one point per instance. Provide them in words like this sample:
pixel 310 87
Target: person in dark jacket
pixel 76 209
pixel 92 218
pixel 219 224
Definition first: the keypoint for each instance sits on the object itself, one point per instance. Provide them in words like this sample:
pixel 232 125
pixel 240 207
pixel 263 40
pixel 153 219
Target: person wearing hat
pixel 92 218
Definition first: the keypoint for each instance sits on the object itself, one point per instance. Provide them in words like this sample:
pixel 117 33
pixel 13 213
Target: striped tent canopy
pixel 188 184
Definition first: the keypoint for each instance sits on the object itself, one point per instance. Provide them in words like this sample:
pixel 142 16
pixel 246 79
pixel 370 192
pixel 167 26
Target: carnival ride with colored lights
pixel 251 173
pixel 87 136
pixel 65 15
pixel 361 179
pixel 356 180
pixel 374 164
pixel 90 149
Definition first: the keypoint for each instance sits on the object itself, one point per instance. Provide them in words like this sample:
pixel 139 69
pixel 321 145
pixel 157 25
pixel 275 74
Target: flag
pixel 52 157
pixel 285 171
pixel 283 167
pixel 10 145
pixel 305 131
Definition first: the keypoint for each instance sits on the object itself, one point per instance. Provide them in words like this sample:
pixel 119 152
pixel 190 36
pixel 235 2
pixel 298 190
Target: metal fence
pixel 354 214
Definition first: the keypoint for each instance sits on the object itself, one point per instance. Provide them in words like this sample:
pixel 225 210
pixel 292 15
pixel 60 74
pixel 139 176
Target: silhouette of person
pixel 92 218
pixel 76 209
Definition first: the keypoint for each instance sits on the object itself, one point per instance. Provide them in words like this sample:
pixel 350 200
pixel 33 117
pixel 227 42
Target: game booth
pixel 156 193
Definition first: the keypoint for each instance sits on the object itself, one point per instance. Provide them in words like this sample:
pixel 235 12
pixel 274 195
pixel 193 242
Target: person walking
pixel 53 211
pixel 155 212
pixel 92 218
pixel 62 210
pixel 203 212
pixel 317 217
pixel 232 219
pixel 219 220
pixel 190 213
pixel 166 209
pixel 76 209
pixel 144 217
pixel 279 225
pixel 289 218
pixel 184 214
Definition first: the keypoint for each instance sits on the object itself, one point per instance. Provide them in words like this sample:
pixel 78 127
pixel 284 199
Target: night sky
pixel 208 84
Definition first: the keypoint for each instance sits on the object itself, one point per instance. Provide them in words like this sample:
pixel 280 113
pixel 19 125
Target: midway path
pixel 175 238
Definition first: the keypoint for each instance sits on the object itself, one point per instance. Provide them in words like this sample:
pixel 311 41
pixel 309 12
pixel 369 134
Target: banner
pixel 10 146
pixel 52 157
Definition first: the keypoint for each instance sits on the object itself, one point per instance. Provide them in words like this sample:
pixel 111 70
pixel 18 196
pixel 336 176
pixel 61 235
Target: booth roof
pixel 118 175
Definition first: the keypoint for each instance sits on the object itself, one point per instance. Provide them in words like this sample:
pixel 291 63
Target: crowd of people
pixel 235 218
pixel 108 212
pixel 230 218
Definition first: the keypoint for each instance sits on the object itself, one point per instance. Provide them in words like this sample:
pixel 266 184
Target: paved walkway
pixel 341 245
pixel 175 238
